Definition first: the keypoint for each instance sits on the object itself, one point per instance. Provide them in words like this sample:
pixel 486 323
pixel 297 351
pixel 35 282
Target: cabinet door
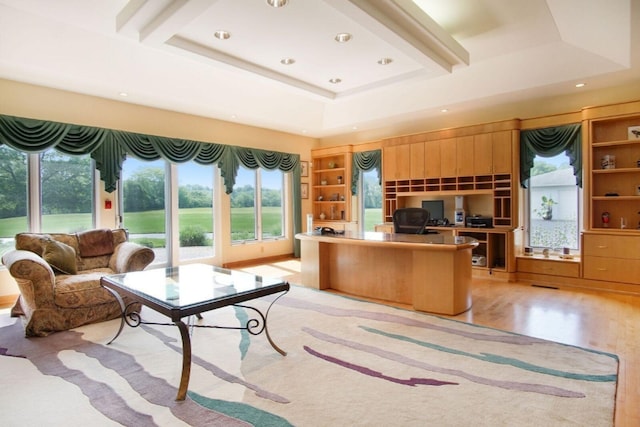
pixel 482 154
pixel 432 159
pixel 502 152
pixel 397 162
pixel 389 163
pixel 417 160
pixel 448 159
pixel 465 155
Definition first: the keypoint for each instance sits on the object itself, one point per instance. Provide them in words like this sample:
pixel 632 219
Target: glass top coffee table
pixel 181 292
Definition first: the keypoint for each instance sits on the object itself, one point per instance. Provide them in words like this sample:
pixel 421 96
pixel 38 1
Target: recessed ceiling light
pixel 287 61
pixel 355 128
pixel 123 94
pixel 385 61
pixel 343 37
pixel 581 85
pixel 335 81
pixel 277 3
pixel 444 110
pixel 222 34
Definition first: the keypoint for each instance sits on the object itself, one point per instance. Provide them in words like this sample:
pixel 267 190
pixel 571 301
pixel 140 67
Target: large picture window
pixel 553 204
pixel 250 220
pixel 59 197
pixel 195 215
pixel 143 205
pixel 370 200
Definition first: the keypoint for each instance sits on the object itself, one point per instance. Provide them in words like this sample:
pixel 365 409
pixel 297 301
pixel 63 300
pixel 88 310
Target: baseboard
pixel 256 261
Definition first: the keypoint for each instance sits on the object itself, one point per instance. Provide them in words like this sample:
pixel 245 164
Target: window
pixel 370 200
pixel 59 200
pixel 271 206
pixel 13 196
pixel 553 204
pixel 66 185
pixel 195 216
pixel 257 221
pixel 143 205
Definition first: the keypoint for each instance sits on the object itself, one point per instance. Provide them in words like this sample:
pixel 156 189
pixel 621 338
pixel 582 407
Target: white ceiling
pixel 453 54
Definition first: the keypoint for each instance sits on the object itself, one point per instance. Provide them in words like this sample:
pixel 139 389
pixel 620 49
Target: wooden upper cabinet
pixel 448 161
pixel 417 160
pixel 465 156
pixel 396 162
pixel 502 152
pixel 483 154
pixel 432 159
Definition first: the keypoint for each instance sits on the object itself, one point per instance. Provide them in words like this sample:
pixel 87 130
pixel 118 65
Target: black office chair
pixel 410 220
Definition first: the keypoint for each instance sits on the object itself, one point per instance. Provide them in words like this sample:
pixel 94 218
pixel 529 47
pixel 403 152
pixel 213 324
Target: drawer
pixel 544 266
pixel 627 247
pixel 611 269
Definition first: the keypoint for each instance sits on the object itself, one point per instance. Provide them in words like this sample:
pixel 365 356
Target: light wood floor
pixel 607 322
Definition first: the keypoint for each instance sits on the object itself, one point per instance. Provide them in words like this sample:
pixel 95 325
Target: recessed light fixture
pixel 385 61
pixel 123 94
pixel 222 34
pixel 580 84
pixel 343 37
pixel 335 81
pixel 277 3
pixel 287 61
pixel 444 110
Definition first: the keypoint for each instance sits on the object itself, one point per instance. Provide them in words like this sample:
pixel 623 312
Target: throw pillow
pixel 60 256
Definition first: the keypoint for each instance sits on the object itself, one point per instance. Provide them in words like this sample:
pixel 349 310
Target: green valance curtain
pixel 549 142
pixel 109 148
pixel 365 161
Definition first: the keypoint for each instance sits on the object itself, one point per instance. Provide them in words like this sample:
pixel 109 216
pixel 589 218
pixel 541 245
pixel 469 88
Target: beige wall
pixel 24 100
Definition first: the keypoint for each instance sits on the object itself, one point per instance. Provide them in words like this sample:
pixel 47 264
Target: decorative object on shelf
pixel 605 219
pixel 323 182
pixel 304 190
pixel 342 198
pixel 332 165
pixel 637 189
pixel 545 252
pixel 528 251
pixel 304 168
pixel 634 132
pixel 334 197
pixel 322 215
pixel 608 162
pixel 339 179
pixel 546 208
pixel 623 222
pixel 320 198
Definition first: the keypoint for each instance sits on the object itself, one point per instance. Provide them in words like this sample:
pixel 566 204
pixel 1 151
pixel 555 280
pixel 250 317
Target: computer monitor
pixel 436 209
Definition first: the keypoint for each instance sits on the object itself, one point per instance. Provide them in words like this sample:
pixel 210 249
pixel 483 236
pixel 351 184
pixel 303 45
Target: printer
pixel 478 221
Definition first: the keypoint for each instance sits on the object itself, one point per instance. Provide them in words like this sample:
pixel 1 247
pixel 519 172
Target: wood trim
pixel 255 261
pixel 549 121
pixel 513 124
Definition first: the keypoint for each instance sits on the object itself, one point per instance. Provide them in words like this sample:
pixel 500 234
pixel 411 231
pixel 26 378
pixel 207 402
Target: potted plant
pixel 546 208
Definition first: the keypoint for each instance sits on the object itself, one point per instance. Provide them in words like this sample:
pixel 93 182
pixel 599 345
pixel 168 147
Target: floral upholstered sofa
pixel 59 277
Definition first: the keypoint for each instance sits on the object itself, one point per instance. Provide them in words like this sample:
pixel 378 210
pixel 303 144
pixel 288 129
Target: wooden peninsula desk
pixel 431 272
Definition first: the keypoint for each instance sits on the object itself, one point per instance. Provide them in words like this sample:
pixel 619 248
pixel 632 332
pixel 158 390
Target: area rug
pixel 349 363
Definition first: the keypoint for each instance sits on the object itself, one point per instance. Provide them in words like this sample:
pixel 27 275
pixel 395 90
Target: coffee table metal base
pixel 253 326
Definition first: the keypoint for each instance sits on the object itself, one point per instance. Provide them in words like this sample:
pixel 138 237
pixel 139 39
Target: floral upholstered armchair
pixel 59 277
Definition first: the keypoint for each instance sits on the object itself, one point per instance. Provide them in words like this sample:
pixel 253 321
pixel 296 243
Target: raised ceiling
pixel 444 54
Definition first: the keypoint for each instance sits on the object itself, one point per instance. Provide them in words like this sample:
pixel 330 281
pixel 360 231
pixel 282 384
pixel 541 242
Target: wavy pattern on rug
pixel 349 363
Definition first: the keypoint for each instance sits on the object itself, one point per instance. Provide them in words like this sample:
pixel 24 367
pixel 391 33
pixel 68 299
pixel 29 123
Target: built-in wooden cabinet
pixel 611 257
pixel 331 186
pixel 614 165
pixel 469 164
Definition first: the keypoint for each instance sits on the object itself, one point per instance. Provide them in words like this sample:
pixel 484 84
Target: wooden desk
pixel 430 272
